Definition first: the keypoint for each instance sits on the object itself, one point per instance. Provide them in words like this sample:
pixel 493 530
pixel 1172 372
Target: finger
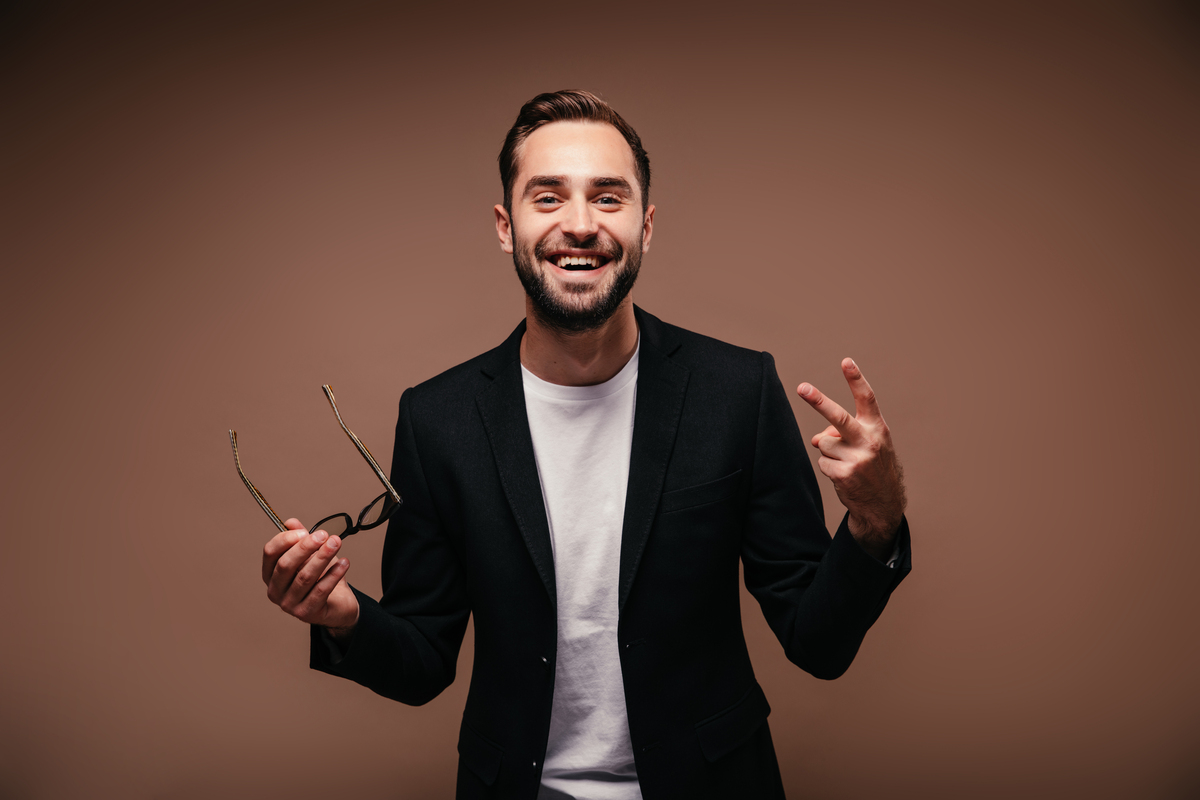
pixel 315 602
pixel 837 416
pixel 278 545
pixel 290 563
pixel 309 574
pixel 830 431
pixel 833 447
pixel 832 469
pixel 864 397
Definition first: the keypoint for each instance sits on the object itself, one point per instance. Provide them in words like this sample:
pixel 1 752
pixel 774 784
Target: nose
pixel 580 221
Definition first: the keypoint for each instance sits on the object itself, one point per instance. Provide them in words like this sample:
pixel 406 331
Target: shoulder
pixel 704 356
pixel 457 387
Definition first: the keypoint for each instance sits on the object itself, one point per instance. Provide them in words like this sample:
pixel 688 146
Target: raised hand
pixel 857 455
pixel 305 580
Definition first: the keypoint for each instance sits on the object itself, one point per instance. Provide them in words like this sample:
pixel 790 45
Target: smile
pixel 575 263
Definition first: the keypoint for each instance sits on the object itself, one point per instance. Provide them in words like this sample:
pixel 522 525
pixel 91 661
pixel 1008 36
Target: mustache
pixel 611 249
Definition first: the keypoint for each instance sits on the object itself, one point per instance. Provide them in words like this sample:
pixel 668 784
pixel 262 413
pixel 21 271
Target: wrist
pixel 876 537
pixel 343 633
pixel 340 634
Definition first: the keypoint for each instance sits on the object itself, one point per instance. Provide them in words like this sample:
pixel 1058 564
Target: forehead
pixel 576 150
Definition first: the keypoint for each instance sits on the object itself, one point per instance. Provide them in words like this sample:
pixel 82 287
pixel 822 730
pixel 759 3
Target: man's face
pixel 577 231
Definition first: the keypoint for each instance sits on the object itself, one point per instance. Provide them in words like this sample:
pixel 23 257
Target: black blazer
pixel 718 472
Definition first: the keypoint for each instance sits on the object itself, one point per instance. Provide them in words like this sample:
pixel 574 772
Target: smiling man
pixel 586 490
pixel 583 242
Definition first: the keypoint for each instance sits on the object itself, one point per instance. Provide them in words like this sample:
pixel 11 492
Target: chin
pixel 575 306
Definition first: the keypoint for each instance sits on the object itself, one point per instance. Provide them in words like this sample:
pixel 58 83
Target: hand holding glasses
pixel 303 576
pixel 377 512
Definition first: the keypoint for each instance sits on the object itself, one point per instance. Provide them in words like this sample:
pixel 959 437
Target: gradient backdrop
pixel 207 212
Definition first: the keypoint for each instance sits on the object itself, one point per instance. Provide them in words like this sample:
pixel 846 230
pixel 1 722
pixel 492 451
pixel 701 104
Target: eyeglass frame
pixel 385 514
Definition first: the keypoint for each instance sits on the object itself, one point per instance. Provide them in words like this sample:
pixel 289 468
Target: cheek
pixel 528 240
pixel 631 240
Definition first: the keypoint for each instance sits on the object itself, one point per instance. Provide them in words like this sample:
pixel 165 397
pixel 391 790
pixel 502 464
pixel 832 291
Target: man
pixel 586 490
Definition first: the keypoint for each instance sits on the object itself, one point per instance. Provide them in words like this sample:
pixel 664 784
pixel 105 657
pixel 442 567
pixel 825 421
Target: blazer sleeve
pixel 405 646
pixel 818 595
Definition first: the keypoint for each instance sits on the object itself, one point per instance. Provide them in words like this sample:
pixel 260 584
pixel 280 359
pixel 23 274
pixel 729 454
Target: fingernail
pixel 805 390
pixel 334 543
pixel 320 536
pixel 853 363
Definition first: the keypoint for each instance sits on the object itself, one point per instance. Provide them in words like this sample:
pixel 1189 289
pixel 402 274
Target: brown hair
pixel 569 104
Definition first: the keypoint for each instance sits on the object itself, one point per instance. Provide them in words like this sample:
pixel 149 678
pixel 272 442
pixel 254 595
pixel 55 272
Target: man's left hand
pixel 857 455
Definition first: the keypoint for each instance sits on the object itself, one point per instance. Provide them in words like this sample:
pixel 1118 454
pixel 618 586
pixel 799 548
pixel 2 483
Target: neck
pixel 579 359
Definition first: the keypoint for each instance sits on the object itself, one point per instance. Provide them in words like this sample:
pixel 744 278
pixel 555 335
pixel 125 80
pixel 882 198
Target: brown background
pixel 208 212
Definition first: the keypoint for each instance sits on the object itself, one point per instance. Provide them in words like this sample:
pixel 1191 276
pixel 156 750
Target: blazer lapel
pixel 502 407
pixel 661 385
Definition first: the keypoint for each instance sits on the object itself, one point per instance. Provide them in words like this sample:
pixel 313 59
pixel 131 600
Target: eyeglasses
pixel 377 512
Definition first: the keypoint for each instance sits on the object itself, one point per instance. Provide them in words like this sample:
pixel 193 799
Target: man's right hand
pixel 303 582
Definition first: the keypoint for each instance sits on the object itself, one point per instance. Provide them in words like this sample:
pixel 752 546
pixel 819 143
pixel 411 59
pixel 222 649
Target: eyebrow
pixel 613 182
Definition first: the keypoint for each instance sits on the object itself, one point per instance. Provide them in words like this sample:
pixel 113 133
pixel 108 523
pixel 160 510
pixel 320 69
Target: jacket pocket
pixel 479 754
pixel 699 495
pixel 725 731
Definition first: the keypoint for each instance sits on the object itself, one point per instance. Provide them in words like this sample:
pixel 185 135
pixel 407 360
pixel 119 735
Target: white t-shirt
pixel 582 437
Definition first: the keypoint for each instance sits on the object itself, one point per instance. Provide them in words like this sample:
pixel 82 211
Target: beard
pixel 576 307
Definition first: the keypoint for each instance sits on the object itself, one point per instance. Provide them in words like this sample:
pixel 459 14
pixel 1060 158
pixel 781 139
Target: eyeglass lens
pixel 374 514
pixel 337 525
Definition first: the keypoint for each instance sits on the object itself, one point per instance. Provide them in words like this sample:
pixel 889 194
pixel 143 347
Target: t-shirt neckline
pixel 556 391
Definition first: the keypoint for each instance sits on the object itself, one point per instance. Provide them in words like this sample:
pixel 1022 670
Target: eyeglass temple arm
pixel 362 448
pixel 261 500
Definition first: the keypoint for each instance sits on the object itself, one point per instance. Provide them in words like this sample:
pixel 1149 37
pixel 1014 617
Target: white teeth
pixel 578 261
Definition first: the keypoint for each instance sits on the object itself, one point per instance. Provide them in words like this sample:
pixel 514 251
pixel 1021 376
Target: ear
pixel 647 228
pixel 504 229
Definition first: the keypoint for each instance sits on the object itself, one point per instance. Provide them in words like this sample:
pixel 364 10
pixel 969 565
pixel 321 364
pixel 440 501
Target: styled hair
pixel 567 105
